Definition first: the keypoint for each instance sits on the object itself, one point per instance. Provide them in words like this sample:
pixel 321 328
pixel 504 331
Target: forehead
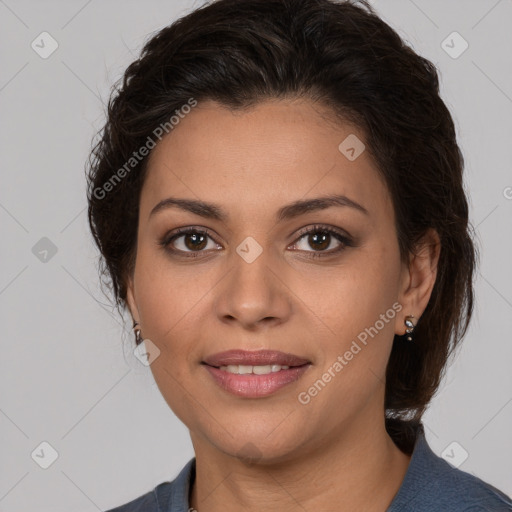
pixel 256 160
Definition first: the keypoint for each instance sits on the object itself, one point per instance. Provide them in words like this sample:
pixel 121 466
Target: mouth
pixel 255 374
pixel 257 358
pixel 243 369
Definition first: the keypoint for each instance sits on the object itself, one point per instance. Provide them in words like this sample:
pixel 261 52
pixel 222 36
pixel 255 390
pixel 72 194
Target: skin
pixel 274 453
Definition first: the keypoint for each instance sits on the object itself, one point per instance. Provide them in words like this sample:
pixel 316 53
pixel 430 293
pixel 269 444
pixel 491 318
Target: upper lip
pixel 254 358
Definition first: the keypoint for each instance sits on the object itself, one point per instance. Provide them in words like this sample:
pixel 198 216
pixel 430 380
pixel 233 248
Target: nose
pixel 253 293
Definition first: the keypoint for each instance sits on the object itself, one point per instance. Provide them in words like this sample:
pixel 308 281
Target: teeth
pixel 243 369
pixel 261 370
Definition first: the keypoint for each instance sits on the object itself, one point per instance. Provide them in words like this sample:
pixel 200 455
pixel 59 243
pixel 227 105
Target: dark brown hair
pixel 342 55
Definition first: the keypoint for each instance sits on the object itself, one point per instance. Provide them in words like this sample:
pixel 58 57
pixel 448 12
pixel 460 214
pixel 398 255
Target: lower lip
pixel 255 386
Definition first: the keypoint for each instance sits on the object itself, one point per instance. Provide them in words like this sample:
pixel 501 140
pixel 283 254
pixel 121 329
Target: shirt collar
pixel 178 498
pixel 423 461
pixel 424 468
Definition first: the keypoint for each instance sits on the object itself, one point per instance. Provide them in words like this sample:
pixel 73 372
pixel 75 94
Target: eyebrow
pixel 290 211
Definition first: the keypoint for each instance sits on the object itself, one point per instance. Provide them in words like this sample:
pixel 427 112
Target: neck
pixel 353 470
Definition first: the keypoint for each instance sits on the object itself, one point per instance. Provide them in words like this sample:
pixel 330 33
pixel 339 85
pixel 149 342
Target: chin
pixel 263 450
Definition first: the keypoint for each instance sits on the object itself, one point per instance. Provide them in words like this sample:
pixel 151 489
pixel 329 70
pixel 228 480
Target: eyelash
pixel 342 238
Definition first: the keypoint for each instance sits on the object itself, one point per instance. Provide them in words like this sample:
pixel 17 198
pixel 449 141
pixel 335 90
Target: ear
pixel 130 298
pixel 418 278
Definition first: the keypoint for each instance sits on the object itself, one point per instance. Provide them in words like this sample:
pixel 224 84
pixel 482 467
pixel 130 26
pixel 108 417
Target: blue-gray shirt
pixel 430 485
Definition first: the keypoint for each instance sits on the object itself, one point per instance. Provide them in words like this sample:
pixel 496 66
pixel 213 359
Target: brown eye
pixel 323 240
pixel 188 241
pixel 319 240
pixel 194 241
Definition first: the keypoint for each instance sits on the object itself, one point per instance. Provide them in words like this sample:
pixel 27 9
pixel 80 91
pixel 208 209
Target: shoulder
pixel 166 497
pixel 431 483
pixel 461 491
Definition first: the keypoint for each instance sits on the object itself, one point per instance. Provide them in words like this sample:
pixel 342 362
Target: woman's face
pixel 257 282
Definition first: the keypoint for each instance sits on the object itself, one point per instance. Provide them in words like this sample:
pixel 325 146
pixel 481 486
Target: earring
pixel 409 326
pixel 138 338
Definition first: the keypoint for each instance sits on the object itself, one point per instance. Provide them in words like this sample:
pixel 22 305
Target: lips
pixel 254 358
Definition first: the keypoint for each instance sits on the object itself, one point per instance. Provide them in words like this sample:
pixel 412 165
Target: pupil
pixel 324 237
pixel 197 238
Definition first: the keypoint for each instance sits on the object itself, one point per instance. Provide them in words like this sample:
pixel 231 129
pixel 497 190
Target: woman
pixel 278 200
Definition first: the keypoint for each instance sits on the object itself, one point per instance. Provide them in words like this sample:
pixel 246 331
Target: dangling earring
pixel 138 338
pixel 409 326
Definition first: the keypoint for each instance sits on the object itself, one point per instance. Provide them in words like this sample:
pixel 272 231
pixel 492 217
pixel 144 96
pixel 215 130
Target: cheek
pixel 348 297
pixel 360 306
pixel 166 297
pixel 166 290
pixel 356 303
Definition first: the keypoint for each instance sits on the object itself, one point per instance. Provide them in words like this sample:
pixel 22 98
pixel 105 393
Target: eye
pixel 187 241
pixel 190 242
pixel 321 238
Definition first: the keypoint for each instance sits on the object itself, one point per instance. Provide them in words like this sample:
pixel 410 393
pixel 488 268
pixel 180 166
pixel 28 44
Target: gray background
pixel 68 376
